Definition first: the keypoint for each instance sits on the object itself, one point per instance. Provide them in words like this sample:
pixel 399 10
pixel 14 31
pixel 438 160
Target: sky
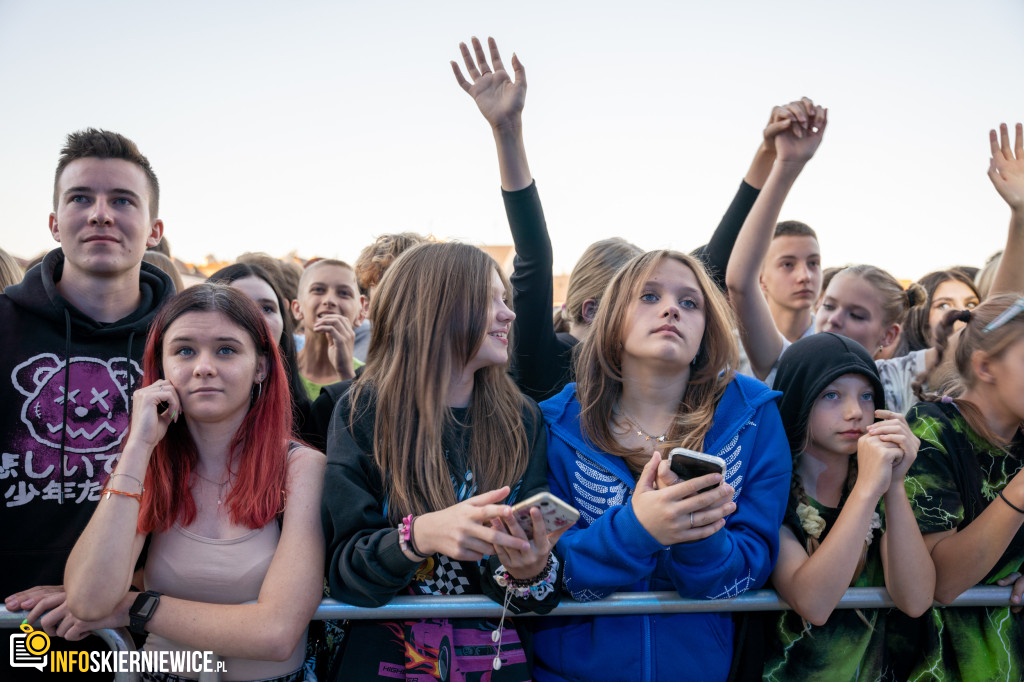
pixel 316 126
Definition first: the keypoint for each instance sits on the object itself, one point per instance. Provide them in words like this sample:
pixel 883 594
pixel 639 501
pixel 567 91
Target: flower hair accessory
pixel 876 523
pixel 810 520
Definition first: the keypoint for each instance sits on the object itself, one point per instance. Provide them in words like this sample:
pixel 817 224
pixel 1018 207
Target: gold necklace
pixel 640 431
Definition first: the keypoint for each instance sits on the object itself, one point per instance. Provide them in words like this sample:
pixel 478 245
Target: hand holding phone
pixel 689 464
pixel 556 513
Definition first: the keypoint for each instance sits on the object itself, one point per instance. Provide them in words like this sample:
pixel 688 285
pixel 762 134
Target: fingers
pixel 481 60
pixel 467 59
pixel 490 497
pixel 502 539
pixel 666 477
pixel 993 142
pixel 691 487
pixel 1004 141
pixel 649 475
pixel 520 71
pixel 459 78
pixel 492 45
pixel 1018 146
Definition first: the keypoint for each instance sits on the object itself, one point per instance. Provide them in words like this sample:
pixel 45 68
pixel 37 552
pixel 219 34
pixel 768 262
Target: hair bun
pixel 964 316
pixel 916 295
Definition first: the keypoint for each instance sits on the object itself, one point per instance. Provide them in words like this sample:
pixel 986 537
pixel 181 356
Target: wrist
pixel 510 128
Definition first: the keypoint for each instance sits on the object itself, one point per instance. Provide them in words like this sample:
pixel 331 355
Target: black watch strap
pixel 142 610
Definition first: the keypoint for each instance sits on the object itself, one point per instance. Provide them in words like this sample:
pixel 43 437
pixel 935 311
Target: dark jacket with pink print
pixel 65 388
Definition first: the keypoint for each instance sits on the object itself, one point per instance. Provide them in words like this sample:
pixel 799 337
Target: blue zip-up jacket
pixel 609 551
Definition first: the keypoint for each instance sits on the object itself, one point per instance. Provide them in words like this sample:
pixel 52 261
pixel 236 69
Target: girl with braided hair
pixel 844 463
pixel 967 490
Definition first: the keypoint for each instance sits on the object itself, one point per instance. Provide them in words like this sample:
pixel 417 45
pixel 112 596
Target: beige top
pixel 188 566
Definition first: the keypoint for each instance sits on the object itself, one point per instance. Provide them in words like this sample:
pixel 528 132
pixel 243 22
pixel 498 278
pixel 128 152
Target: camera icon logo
pixel 30 649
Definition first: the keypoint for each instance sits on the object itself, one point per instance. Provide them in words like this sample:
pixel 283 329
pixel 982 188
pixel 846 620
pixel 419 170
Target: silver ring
pixel 691 519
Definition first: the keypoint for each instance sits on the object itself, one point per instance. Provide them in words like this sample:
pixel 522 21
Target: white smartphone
pixel 687 464
pixel 557 514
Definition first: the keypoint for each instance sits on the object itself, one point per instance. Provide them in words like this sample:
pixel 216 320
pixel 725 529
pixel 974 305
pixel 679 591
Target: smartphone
pixel 687 464
pixel 557 514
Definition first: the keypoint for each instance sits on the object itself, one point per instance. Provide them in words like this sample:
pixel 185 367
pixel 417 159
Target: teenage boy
pixel 70 356
pixel 791 278
pixel 330 307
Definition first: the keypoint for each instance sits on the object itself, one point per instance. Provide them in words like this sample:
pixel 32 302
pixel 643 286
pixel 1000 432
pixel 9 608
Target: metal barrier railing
pixel 623 603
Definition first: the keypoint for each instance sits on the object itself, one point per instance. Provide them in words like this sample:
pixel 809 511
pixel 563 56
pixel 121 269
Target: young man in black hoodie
pixel 70 357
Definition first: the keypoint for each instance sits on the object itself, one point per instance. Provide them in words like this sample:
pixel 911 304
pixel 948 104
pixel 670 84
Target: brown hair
pixel 974 339
pixel 591 274
pixel 104 144
pixel 378 256
pixel 599 363
pixel 430 316
pixel 895 300
pixel 794 228
pixel 917 332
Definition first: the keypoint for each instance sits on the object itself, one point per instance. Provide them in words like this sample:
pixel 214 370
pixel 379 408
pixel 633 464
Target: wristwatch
pixel 142 610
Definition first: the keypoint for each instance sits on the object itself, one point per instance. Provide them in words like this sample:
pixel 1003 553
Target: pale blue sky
pixel 317 126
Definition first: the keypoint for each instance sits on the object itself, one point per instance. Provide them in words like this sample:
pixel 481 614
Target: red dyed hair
pixel 259 448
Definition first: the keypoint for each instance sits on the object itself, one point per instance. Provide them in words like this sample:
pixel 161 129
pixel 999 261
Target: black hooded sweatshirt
pixel 56 454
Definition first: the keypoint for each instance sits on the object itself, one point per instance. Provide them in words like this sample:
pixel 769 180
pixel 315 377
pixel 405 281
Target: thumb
pixel 490 497
pixel 649 475
pixel 517 68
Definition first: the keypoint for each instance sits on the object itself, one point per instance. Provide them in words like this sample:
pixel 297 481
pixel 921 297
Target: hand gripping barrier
pixel 474 606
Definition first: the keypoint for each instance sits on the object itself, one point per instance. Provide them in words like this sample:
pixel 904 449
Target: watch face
pixel 145 605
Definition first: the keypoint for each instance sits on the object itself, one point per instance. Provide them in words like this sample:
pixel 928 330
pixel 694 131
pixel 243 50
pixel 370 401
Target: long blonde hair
pixel 430 316
pixel 599 364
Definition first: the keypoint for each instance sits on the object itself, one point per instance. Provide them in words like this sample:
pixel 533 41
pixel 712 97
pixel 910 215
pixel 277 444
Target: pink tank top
pixel 185 565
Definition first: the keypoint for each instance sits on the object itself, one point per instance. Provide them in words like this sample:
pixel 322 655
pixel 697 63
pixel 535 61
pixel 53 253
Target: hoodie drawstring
pixel 131 374
pixel 67 399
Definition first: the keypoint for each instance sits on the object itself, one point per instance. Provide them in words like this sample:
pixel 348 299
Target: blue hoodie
pixel 609 551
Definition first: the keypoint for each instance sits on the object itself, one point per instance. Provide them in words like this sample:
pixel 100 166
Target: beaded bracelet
pixel 107 492
pixel 538 587
pixel 405 540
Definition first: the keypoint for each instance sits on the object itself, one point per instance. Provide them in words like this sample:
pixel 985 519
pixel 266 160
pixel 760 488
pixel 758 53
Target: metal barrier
pixel 623 603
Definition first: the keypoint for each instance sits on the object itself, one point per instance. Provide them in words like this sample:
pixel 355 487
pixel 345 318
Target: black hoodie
pixel 45 504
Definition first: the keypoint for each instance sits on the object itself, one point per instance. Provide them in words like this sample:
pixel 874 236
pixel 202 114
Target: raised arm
pixel 1006 170
pixel 501 102
pixel 795 147
pixel 715 254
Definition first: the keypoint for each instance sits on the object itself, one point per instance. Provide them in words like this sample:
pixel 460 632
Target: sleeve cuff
pixel 392 558
pixel 703 552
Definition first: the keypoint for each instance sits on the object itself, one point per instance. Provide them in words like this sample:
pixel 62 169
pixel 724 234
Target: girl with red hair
pixel 226 505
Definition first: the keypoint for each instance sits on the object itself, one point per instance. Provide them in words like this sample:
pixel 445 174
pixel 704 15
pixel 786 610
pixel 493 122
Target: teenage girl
pixel 425 453
pixel 543 356
pixel 226 503
pixel 653 374
pixel 844 462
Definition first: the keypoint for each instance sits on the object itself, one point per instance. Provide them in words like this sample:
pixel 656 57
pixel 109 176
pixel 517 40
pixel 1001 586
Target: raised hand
pixel 341 340
pixel 154 407
pixel 1006 168
pixel 499 99
pixel 678 513
pixel 798 142
pixel 464 531
pixel 894 429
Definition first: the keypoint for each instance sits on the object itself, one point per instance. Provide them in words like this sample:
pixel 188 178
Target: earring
pixel 259 390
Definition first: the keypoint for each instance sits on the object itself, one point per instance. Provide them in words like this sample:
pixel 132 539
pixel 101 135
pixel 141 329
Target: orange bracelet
pixel 107 492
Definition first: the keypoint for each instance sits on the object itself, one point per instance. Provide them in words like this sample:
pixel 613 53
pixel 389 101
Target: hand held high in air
pixel 678 513
pixel 1006 167
pixel 797 144
pixel 499 98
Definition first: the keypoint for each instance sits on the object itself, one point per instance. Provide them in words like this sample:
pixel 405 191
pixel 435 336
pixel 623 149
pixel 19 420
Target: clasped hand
pixel 673 511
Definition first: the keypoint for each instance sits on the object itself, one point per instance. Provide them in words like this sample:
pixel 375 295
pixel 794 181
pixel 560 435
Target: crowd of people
pixel 204 464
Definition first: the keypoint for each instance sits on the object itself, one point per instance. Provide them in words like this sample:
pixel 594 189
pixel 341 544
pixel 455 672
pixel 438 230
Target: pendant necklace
pixel 220 486
pixel 640 431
